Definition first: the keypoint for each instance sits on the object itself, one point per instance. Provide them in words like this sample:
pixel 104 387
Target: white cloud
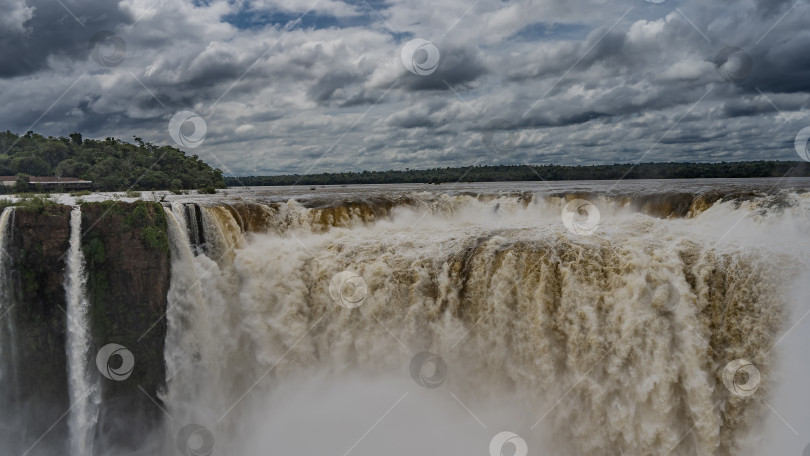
pixel 338 97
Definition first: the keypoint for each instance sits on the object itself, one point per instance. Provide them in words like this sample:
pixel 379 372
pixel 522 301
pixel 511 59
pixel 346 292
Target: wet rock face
pixel 39 389
pixel 128 266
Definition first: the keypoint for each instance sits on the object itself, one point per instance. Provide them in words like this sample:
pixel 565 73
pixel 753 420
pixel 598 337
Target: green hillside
pixel 112 165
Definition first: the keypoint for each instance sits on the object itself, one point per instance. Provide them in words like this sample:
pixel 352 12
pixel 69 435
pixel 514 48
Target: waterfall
pixel 608 344
pixel 185 302
pixel 193 327
pixel 7 339
pixel 221 232
pixel 179 211
pixel 294 325
pixel 188 216
pixel 83 390
pixel 8 353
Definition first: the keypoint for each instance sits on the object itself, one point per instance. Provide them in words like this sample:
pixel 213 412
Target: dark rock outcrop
pixel 127 256
pixel 38 391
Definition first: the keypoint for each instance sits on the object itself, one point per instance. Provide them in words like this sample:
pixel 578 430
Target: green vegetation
pixel 503 173
pixel 31 202
pixel 146 216
pixel 35 203
pixel 151 220
pixel 155 238
pixel 112 165
pixel 94 251
pixel 111 207
pixel 98 284
pixel 137 217
pixel 207 191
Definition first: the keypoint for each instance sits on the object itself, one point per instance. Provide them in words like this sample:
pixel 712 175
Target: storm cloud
pixel 312 86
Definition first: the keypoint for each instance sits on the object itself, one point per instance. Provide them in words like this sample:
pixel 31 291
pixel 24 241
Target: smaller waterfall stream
pixel 84 394
pixel 9 384
pixel 7 338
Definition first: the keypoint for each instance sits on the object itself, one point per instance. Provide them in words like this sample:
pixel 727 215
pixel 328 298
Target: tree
pixel 489 173
pixel 111 164
pixel 23 183
pixel 32 165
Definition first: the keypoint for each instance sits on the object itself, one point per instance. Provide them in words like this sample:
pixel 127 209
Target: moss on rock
pixel 128 267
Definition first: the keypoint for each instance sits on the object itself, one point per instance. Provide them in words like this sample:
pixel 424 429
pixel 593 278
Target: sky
pixel 258 87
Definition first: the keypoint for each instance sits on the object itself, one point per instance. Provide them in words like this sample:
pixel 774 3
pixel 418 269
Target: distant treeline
pixel 111 164
pixel 539 172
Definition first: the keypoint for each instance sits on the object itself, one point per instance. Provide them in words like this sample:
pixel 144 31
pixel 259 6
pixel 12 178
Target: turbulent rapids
pixel 417 321
pixel 612 343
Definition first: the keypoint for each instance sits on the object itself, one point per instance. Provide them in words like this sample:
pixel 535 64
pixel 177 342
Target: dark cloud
pixel 324 89
pixel 457 67
pixel 772 7
pixel 580 81
pixel 782 66
pixel 53 32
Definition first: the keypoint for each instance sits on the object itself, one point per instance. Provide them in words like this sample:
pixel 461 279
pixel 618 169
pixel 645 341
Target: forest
pixel 115 165
pixel 112 164
pixel 503 173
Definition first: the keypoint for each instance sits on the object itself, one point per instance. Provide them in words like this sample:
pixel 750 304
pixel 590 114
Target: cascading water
pixel 82 383
pixel 198 315
pixel 613 343
pixel 186 310
pixel 7 338
pixel 401 321
pixel 8 352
